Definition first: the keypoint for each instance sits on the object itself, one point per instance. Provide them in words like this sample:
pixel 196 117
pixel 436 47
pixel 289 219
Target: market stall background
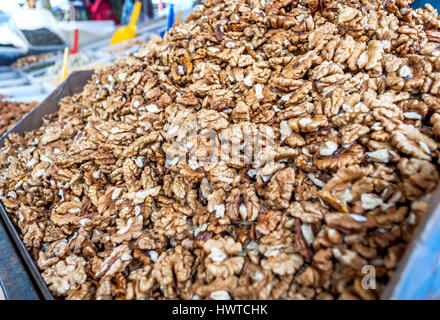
pixel 33 80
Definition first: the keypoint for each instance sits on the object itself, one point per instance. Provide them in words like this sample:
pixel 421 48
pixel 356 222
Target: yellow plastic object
pixel 179 16
pixel 65 62
pixel 128 32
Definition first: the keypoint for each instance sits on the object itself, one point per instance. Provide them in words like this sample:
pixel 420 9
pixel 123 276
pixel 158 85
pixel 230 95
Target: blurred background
pixel 87 9
pixel 34 35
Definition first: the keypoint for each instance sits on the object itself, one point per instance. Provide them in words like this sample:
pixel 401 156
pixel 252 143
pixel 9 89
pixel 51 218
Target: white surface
pixel 89 31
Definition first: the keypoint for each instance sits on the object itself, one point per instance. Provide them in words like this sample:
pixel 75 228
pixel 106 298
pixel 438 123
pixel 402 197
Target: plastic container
pixel 25 90
pixel 16 86
pixel 9 74
pixel 105 51
pixel 9 55
pixel 38 67
pixel 418 274
pixel 9 36
pixel 31 19
pixel 26 99
pixel 13 82
pixel 89 31
pixel 35 64
pixel 32 49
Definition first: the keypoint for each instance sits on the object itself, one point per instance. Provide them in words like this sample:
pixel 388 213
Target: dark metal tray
pixel 33 120
pixel 418 273
pixel 15 280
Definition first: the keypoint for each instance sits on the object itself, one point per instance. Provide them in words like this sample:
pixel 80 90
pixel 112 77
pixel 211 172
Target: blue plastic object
pixel 170 20
pixel 421 3
pixel 127 9
pixel 9 55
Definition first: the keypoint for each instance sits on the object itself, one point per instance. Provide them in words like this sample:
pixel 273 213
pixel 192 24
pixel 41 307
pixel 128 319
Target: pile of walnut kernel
pixel 351 92
pixel 11 112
